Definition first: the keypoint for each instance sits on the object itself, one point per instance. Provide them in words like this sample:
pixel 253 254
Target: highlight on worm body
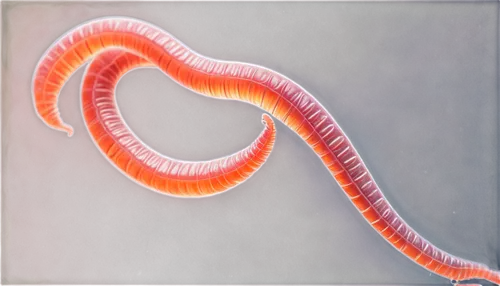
pixel 116 45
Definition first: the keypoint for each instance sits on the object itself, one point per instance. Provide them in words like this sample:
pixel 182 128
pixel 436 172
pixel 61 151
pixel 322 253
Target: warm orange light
pixel 121 44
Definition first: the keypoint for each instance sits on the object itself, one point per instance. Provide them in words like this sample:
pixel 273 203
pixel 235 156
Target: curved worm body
pixel 141 163
pixel 264 88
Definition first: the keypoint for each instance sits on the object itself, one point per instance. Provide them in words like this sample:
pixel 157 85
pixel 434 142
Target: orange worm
pixel 262 87
pixel 141 163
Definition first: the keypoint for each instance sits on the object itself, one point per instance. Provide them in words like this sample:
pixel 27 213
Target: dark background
pixel 414 85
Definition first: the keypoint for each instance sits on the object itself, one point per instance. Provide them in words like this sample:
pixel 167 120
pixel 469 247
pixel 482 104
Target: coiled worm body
pixel 262 87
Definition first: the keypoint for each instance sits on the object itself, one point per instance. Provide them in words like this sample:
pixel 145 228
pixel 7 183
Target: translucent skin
pixel 143 164
pixel 269 90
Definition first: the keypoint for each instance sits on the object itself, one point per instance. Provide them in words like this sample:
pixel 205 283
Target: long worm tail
pixel 264 88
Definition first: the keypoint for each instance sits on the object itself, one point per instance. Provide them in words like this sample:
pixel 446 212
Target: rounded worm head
pixel 268 121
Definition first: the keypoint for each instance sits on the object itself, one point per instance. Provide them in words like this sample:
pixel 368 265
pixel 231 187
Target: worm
pixel 143 164
pixel 274 93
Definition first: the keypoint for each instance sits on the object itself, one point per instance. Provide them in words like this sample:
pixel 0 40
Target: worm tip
pixel 68 129
pixel 267 120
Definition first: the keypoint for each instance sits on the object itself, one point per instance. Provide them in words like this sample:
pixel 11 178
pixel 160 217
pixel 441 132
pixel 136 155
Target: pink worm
pixel 262 87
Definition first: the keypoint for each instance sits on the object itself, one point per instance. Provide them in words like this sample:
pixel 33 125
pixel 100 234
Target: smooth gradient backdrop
pixel 414 85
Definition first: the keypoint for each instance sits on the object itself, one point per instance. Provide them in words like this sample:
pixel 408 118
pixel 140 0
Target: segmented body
pixel 269 90
pixel 143 164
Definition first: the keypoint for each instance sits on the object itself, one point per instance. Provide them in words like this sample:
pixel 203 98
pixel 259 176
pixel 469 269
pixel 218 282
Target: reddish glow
pixel 130 43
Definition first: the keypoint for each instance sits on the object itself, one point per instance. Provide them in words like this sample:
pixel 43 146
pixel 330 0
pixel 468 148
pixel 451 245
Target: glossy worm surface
pixel 120 44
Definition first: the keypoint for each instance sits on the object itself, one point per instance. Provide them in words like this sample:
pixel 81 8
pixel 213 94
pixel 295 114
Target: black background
pixel 413 85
